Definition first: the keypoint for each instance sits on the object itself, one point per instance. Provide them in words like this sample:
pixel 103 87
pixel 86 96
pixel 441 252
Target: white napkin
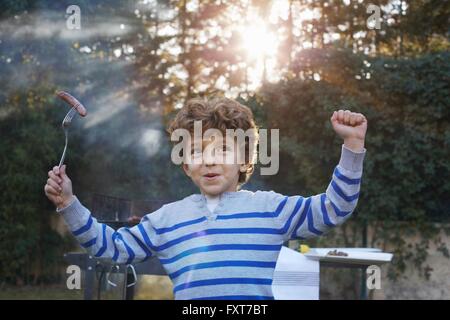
pixel 295 277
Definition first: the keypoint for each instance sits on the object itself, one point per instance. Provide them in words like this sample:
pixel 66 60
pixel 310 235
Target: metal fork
pixel 65 125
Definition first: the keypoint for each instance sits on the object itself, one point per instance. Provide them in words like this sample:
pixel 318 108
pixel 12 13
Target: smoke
pixel 38 50
pixel 49 24
pixel 106 108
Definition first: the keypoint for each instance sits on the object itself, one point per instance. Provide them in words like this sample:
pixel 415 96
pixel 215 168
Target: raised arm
pixel 126 245
pixel 306 217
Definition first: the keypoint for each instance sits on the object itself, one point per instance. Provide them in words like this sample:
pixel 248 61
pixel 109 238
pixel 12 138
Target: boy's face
pixel 212 175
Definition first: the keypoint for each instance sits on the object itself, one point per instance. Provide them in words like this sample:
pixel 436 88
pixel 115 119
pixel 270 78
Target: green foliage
pixel 405 187
pixel 29 250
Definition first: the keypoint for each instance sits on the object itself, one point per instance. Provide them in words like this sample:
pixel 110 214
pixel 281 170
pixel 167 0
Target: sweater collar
pixel 226 195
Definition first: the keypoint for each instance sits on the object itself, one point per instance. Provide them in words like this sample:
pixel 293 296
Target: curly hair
pixel 220 113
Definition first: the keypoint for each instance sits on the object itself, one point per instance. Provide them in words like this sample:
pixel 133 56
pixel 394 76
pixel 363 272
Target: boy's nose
pixel 209 159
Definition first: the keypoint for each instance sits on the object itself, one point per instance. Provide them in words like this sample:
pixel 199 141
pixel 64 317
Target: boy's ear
pixel 186 169
pixel 243 168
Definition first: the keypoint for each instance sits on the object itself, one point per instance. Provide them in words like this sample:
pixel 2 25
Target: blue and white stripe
pixel 230 253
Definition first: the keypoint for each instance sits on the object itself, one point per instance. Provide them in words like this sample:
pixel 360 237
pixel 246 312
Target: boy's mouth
pixel 211 175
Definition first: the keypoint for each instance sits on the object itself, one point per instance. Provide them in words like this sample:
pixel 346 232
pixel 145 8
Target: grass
pixel 148 288
pixel 54 292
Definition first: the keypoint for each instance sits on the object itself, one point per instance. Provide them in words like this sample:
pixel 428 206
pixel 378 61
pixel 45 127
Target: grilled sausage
pixel 74 103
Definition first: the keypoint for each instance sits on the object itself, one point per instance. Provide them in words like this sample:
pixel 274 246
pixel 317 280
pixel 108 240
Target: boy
pixel 222 243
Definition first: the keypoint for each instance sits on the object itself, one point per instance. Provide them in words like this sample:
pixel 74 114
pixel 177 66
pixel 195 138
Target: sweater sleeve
pixel 307 217
pixel 126 245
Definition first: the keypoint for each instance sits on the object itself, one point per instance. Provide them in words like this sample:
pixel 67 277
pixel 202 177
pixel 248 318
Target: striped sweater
pixel 229 253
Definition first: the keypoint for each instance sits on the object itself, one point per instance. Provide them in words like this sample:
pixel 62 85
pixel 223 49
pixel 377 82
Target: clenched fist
pixel 351 127
pixel 59 187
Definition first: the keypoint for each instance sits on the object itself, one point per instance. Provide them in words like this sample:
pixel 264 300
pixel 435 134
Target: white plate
pixel 326 250
pixel 354 256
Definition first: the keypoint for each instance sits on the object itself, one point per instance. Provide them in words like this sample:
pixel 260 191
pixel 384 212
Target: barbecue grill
pixel 116 213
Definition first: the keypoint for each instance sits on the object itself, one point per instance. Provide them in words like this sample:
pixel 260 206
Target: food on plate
pixel 337 253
